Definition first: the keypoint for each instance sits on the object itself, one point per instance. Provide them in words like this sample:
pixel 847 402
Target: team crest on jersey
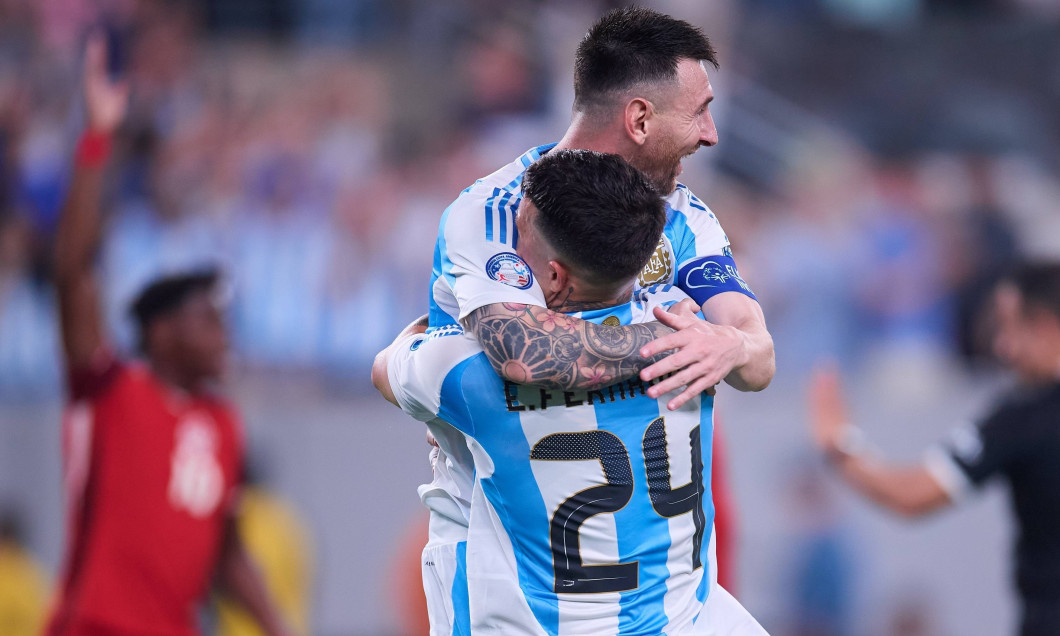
pixel 660 267
pixel 510 269
pixel 611 321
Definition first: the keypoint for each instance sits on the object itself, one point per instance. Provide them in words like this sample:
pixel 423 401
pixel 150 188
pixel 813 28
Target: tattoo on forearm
pixel 532 345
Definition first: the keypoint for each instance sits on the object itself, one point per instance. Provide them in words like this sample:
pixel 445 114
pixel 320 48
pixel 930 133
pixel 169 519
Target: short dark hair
pixel 1038 284
pixel 631 46
pixel 599 213
pixel 167 294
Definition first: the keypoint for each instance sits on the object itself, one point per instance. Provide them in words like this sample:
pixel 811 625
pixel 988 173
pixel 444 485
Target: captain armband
pixel 704 278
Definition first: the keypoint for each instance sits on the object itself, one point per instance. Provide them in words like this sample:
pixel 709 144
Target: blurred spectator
pixel 821 571
pixel 990 248
pixel 277 539
pixel 304 170
pixel 24 588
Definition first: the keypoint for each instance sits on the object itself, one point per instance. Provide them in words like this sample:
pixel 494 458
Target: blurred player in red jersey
pixel 151 455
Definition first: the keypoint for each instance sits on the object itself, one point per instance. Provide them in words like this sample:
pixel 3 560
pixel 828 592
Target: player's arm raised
pixel 78 235
pixel 528 344
pixel 907 490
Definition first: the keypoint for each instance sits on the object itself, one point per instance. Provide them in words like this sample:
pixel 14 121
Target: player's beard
pixel 661 164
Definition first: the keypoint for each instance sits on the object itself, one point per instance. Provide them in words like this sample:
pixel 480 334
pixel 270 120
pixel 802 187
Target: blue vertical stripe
pixel 502 209
pixel 513 210
pixel 682 238
pixel 460 596
pixel 641 610
pixel 522 511
pixel 442 266
pixel 706 444
pixel 489 215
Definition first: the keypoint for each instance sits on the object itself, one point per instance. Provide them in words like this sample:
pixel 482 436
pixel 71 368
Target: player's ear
pixel 558 279
pixel 636 118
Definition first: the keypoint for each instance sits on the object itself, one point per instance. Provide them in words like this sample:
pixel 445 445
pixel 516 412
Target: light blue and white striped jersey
pixel 473 255
pixel 591 511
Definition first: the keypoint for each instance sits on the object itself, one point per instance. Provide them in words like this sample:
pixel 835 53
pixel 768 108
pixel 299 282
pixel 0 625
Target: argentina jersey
pixel 474 262
pixel 591 510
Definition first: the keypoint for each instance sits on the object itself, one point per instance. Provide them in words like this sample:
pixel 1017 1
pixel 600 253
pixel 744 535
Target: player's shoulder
pixel 693 226
pixel 1020 406
pixel 500 187
pixel 127 380
pixel 683 204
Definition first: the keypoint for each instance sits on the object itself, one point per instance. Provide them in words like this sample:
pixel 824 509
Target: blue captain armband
pixel 706 277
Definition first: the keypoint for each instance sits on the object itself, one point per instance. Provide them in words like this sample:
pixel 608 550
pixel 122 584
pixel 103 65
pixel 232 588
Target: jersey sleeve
pixel 476 248
pixel 696 230
pixel 974 453
pixel 705 264
pixel 419 365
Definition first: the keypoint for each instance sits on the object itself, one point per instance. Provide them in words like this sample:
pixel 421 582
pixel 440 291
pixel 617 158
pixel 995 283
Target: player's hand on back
pixel 106 100
pixel 704 353
pixel 829 415
pixel 687 308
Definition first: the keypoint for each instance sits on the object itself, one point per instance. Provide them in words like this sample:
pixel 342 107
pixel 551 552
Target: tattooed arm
pixel 533 345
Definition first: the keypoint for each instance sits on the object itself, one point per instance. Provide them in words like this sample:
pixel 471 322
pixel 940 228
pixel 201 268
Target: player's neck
pixel 170 376
pixel 586 134
pixel 576 298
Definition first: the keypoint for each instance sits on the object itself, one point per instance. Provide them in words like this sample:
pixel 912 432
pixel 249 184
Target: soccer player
pixel 590 512
pixel 641 91
pixel 151 453
pixel 1018 441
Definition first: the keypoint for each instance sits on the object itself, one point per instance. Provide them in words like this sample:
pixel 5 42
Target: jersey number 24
pixel 572 576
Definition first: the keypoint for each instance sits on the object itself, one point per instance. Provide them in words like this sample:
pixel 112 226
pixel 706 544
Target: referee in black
pixel 1019 441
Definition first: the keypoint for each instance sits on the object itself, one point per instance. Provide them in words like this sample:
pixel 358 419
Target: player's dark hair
pixel 1038 284
pixel 600 214
pixel 633 46
pixel 165 295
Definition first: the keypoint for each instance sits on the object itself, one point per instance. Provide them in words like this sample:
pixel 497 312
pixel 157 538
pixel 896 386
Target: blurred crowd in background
pixel 881 161
pixel 869 178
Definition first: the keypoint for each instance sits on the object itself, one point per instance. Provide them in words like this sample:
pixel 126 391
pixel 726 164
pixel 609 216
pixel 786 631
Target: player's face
pixel 682 123
pixel 1026 338
pixel 202 340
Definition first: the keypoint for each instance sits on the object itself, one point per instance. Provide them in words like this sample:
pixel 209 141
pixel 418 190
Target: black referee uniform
pixel 1020 442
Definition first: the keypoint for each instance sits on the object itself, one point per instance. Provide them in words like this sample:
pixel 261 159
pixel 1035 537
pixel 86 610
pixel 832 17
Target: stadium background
pixel 880 161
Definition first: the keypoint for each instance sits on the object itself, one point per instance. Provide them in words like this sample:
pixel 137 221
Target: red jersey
pixel 150 478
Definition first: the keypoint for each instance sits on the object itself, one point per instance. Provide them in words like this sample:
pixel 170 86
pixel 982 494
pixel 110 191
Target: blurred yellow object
pixel 24 592
pixel 278 542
